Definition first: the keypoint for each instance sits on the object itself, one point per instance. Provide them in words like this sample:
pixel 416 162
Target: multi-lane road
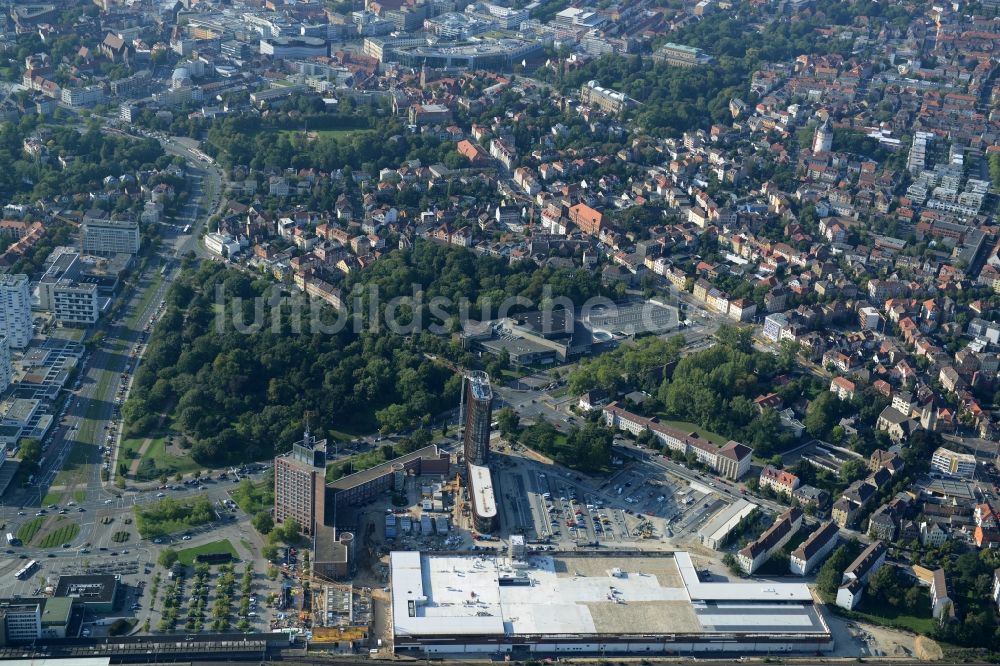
pixel 70 474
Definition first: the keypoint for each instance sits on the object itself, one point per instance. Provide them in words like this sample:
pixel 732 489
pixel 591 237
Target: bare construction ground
pixel 667 617
pixel 663 568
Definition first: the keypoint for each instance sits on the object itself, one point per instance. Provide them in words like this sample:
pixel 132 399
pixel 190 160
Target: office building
pixel 484 53
pixel 15 310
pixel 21 620
pixel 221 244
pixel 132 87
pixel 609 101
pixel 56 613
pixel 731 460
pixel 656 606
pixel 678 55
pixel 81 97
pixel 478 416
pixel 953 463
pixel 367 485
pixel 6 369
pixel 101 236
pixel 718 529
pixel 294 47
pixel 774 325
pixel 97 593
pixel 75 304
pixel 63 264
pixel 300 484
pixel 428 114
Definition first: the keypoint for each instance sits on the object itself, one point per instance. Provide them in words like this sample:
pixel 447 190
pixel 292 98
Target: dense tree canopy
pixel 241 393
pixel 95 154
pixel 715 388
pixel 633 366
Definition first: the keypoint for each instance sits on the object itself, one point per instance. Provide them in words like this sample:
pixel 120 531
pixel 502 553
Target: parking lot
pixel 553 506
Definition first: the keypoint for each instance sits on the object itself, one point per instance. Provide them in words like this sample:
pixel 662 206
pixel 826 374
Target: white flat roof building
pixel 718 528
pixel 484 503
pixel 488 603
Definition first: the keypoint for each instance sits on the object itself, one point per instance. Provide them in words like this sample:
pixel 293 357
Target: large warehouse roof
pixel 486 595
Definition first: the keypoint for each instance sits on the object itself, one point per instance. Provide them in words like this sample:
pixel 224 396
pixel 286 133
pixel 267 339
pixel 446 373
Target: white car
pixel 186 537
pixel 160 494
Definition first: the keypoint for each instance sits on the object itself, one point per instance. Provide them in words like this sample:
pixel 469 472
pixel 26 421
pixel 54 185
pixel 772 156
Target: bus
pixel 26 570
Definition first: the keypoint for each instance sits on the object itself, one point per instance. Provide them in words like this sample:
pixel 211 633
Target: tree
pixel 914 597
pixel 287 531
pixel 734 566
pixel 822 414
pixel 853 470
pixel 263 523
pixel 269 551
pixel 885 585
pixel 31 454
pixel 119 627
pixel 508 421
pixel 830 574
pixel 168 556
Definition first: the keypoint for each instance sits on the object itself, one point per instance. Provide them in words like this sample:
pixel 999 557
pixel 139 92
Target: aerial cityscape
pixel 516 331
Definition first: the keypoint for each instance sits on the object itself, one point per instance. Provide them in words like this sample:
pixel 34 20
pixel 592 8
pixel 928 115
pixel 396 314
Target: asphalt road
pixel 77 436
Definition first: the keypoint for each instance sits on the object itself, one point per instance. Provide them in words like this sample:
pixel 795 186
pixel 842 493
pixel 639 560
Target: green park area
pixel 47 531
pixel 188 555
pixel 159 460
pixel 169 515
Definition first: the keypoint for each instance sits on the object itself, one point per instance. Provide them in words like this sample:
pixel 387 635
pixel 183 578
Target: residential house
pixel 857 574
pixel 814 549
pixel 755 554
pixel 781 481
pixel 843 388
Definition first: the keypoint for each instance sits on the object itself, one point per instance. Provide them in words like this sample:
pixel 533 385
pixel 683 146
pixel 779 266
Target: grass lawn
pixel 147 297
pixel 52 497
pixel 687 426
pixel 64 533
pixel 186 556
pixel 67 333
pixel 129 449
pixel 165 460
pixel 75 469
pixel 158 461
pixel 253 497
pixel 878 613
pixel 79 495
pixel 27 531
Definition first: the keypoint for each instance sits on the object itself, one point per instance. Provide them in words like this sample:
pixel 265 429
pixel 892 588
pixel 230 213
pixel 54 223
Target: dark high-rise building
pixel 478 415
